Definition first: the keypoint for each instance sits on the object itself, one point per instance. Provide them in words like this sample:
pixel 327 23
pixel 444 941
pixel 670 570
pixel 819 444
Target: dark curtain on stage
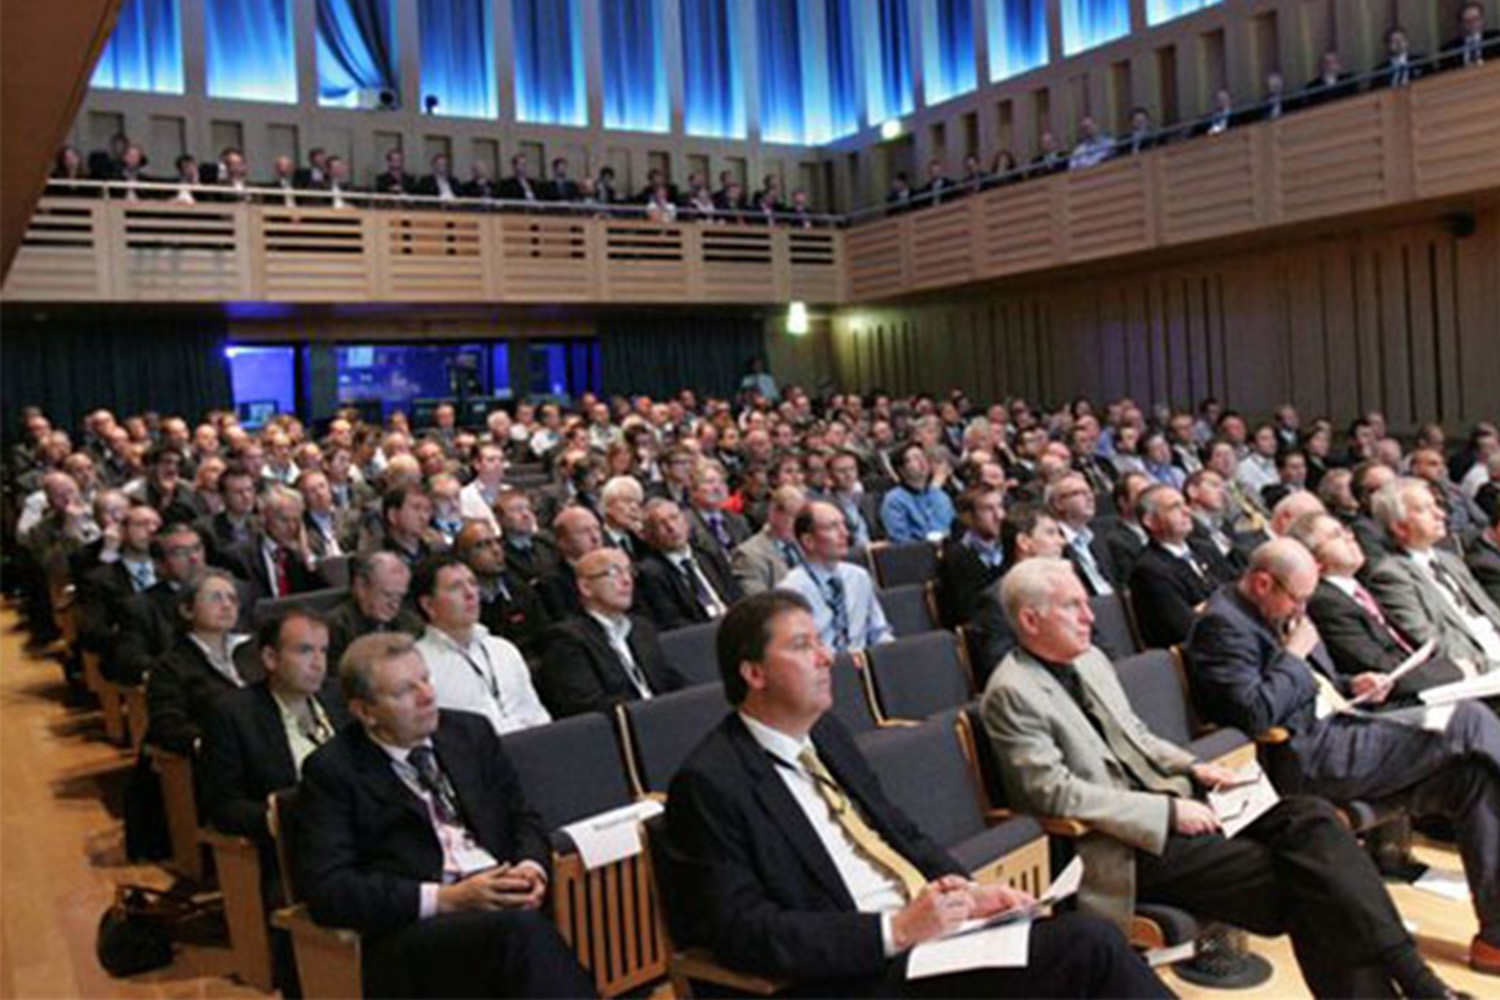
pixel 72 365
pixel 660 355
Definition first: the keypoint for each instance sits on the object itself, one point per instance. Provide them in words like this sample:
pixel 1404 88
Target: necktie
pixel 430 776
pixel 283 573
pixel 1097 582
pixel 840 610
pixel 142 575
pixel 865 838
pixel 314 724
pixel 701 592
pixel 621 645
pixel 720 531
pixel 1366 600
pixel 1443 577
pixel 790 554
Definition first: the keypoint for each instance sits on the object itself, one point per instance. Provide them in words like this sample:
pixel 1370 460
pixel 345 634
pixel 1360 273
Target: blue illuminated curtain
pixel 713 95
pixel 249 47
pixel 355 50
pixel 833 111
pixel 781 94
pixel 145 50
pixel 458 62
pixel 948 59
pixel 1158 11
pixel 886 31
pixel 1087 23
pixel 549 62
pixel 635 66
pixel 1018 36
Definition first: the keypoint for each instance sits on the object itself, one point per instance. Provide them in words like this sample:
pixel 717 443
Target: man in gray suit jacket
pixel 1068 744
pixel 760 561
pixel 1426 592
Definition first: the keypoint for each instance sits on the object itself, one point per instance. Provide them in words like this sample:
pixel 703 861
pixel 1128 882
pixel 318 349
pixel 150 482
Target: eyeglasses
pixel 1297 599
pixel 614 571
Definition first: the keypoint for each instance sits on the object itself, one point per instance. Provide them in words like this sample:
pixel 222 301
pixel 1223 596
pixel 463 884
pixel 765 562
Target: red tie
pixel 283 573
pixel 1366 600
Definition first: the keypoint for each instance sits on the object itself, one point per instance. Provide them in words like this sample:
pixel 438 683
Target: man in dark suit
pixel 518 186
pixel 1358 636
pixel 277 560
pixel 231 527
pixel 378 585
pixel 682 582
pixel 529 554
pixel 1223 552
pixel 762 867
pixel 1072 502
pixel 314 176
pixel 1474 44
pixel 604 656
pixel 560 187
pixel 150 624
pixel 1169 580
pixel 685 579
pixel 1331 83
pixel 1483 557
pixel 1401 66
pixel 395 179
pixel 578 533
pixel 712 526
pixel 1125 538
pixel 1257 662
pixel 971 560
pixel 508 606
pixel 415 833
pixel 441 183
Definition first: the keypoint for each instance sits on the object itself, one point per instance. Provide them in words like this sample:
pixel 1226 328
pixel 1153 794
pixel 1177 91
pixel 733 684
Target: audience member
pixel 682 582
pixel 841 595
pixel 760 562
pixel 508 606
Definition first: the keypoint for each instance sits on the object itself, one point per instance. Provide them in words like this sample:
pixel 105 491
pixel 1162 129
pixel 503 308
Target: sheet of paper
pixel 1240 804
pixel 1067 882
pixel 1449 885
pixel 1171 955
pixel 1004 946
pixel 1483 686
pixel 1419 657
pixel 611 836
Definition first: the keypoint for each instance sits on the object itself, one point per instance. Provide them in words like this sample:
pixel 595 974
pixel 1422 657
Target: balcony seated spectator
pixel 1474 44
pixel 768 201
pixel 1332 82
pixel 440 183
pixel 1401 65
pixel 481 185
pixel 1004 169
pixel 1048 159
pixel 340 186
pixel 1142 135
pixel 938 186
pixel 899 197
pixel 316 175
pixel 1093 147
pixel 1221 116
pixel 799 214
pixel 188 178
pixel 605 190
pixel 283 180
pixel 559 186
pixel 233 177
pixel 973 178
pixel 394 179
pixel 519 186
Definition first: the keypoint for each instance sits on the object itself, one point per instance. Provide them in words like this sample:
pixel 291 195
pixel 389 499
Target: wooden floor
pixel 62 854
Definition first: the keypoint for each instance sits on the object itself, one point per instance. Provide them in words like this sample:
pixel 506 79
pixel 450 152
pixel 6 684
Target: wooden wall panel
pixel 1402 318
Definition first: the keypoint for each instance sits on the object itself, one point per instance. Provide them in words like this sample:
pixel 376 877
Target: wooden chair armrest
pixel 1237 759
pixel 699 964
pixel 994 816
pixel 1064 826
pixel 897 723
pixel 1273 736
pixel 296 919
pixel 217 839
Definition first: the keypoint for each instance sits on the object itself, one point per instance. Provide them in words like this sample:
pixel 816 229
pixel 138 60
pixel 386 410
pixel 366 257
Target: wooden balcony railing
pixel 1436 139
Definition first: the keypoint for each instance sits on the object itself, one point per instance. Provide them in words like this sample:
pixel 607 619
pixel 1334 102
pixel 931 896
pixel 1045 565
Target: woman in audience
pixel 202 666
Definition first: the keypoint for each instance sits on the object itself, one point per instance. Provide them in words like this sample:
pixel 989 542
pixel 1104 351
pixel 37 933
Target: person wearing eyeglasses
pixel 1258 662
pixel 603 656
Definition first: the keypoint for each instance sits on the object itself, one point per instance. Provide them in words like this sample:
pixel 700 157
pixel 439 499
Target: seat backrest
pixel 691 651
pixel 1154 687
pixel 897 563
pixel 321 601
pixel 907 609
pixel 923 771
pixel 1112 631
pixel 851 699
pixel 335 570
pixel 660 732
pixel 919 675
pixel 570 769
pixel 284 815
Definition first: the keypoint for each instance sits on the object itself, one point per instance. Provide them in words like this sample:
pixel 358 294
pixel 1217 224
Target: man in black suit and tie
pixel 413 831
pixel 508 606
pixel 1358 636
pixel 785 859
pixel 714 527
pixel 1474 45
pixel 1257 661
pixel 972 558
pixel 149 623
pixel 518 186
pixel 1072 502
pixel 1483 557
pixel 1125 538
pixel 1224 553
pixel 529 554
pixel 1331 83
pixel 606 655
pixel 277 560
pixel 682 582
pixel 231 527
pixel 314 176
pixel 1170 580
pixel 560 187
pixel 1401 65
pixel 621 500
pixel 395 179
pixel 578 533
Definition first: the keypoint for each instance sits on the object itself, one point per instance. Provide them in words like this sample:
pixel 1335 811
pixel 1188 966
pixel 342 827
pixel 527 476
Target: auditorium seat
pixel 908 608
pixel 919 676
pixel 853 701
pixel 658 733
pixel 894 564
pixel 322 601
pixel 1112 630
pixel 691 652
pixel 328 958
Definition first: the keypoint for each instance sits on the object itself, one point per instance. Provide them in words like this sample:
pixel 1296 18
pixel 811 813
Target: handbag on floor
pixel 135 933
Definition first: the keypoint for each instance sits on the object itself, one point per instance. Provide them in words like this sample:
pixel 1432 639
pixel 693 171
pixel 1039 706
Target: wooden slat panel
pixel 873 255
pixel 940 245
pixel 1019 228
pixel 1332 159
pixel 1105 211
pixel 1210 187
pixel 1455 145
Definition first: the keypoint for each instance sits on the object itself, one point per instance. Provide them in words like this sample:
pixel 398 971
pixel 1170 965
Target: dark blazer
pixel 553 190
pixel 664 595
pixel 748 878
pixel 1357 643
pixel 1483 559
pixel 542 559
pixel 182 687
pixel 1223 568
pixel 247 562
pixel 581 672
pixel 1125 547
pixel 511 189
pixel 736 525
pixel 1415 69
pixel 991 637
pixel 963 579
pixel 219 537
pixel 1318 91
pixel 1164 590
pixel 559 592
pixel 1489 46
pixel 389 183
pixel 245 759
pixel 521 619
pixel 101 596
pixel 150 626
pixel 1099 548
pixel 365 842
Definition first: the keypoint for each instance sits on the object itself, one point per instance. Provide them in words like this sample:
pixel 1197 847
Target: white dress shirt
pixel 486 676
pixel 867 621
pixel 617 631
pixel 1484 632
pixel 476 504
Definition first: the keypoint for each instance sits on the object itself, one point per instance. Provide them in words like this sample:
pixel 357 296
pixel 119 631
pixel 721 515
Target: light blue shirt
pixel 867 624
pixel 916 517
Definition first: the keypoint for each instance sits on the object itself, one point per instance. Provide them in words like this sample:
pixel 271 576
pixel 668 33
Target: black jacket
pixel 1358 643
pixel 581 672
pixel 666 597
pixel 963 579
pixel 1164 590
pixel 365 842
pixel 182 688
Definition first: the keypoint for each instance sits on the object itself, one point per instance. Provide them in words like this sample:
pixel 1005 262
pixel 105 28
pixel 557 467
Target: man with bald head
pixel 1291 507
pixel 605 655
pixel 1257 662
pixel 576 532
pixel 1073 746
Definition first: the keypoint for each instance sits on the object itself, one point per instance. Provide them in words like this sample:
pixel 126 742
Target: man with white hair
pixel 277 560
pixel 1073 746
pixel 1291 507
pixel 621 499
pixel 1429 593
pixel 1258 663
